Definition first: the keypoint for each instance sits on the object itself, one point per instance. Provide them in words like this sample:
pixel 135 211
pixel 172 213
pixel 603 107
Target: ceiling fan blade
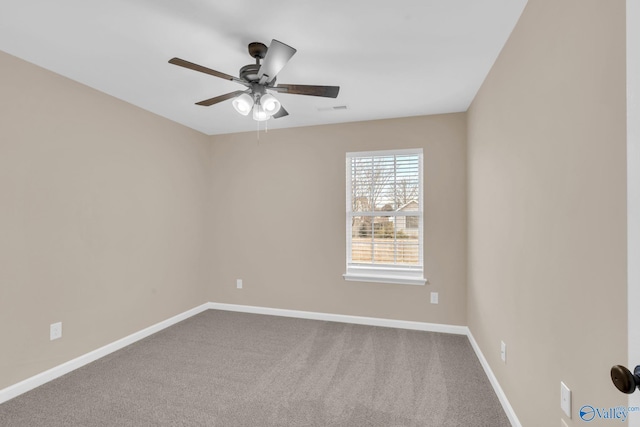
pixel 281 113
pixel 325 91
pixel 278 54
pixel 200 68
pixel 215 100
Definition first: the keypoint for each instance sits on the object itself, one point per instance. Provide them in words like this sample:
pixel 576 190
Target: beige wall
pixel 102 212
pixel 279 219
pixel 547 209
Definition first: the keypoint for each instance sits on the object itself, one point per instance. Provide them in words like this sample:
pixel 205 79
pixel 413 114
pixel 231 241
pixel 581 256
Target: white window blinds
pixel 384 216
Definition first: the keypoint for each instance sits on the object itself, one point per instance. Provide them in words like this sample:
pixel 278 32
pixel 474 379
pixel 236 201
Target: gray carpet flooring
pixel 235 369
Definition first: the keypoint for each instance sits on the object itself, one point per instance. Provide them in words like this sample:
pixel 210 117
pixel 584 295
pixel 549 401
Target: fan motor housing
pixel 250 72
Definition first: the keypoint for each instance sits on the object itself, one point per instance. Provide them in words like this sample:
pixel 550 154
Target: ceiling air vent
pixel 335 108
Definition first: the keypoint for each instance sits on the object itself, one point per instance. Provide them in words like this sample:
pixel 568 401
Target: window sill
pixel 381 278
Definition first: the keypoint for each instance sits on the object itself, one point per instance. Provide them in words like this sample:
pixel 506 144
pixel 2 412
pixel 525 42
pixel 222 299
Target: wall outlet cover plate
pixel 565 399
pixel 55 331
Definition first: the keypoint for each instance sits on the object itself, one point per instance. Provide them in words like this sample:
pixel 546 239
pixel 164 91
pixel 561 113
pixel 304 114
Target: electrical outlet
pixel 239 284
pixel 55 331
pixel 565 399
pixel 434 297
pixel 503 351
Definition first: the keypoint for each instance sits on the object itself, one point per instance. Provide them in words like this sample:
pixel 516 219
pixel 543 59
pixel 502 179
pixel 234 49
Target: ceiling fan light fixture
pixel 270 104
pixel 243 104
pixel 259 114
pixel 257 79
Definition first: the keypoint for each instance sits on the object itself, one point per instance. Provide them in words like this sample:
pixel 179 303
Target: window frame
pixel 385 273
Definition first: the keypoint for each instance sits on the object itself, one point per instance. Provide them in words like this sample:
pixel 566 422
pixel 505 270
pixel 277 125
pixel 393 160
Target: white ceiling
pixel 390 58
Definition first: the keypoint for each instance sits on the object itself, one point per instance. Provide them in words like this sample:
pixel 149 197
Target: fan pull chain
pixel 266 128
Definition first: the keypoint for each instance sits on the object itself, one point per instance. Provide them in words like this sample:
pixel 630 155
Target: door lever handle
pixel 624 380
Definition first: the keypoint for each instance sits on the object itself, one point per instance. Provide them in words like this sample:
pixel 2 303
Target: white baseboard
pixel 358 320
pixel 53 373
pixel 508 409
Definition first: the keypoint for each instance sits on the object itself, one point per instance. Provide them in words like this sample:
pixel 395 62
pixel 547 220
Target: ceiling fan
pixel 260 79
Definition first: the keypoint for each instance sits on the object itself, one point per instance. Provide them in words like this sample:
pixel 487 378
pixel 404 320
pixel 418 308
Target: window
pixel 384 217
